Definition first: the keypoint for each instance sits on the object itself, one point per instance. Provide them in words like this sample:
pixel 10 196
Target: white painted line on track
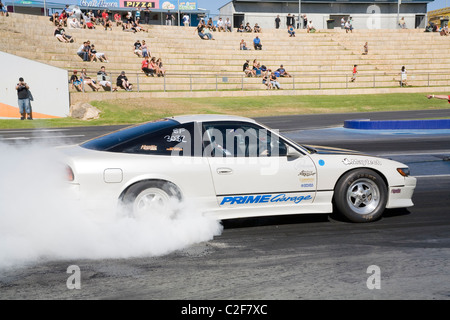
pixel 49 137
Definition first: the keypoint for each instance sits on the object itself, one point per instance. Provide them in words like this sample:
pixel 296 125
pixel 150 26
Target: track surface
pixel 283 258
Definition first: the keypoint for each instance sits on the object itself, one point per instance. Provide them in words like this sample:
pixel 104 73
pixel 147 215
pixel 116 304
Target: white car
pixel 233 167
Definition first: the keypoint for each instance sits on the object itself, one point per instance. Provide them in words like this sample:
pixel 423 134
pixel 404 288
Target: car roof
pixel 208 117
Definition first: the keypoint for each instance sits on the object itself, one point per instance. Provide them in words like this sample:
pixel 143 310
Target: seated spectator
pixel 274 81
pixel 145 51
pixel 138 48
pixel 161 69
pixel 88 22
pixel 266 81
pixel 243 45
pixel 82 53
pixel 104 80
pixel 145 67
pixel 63 18
pixel 257 28
pixel 258 70
pixel 291 31
pixel 228 27
pixel 310 27
pixel 205 35
pixel 86 80
pixel 402 23
pixel 60 35
pixel 136 26
pixel 97 56
pixel 366 49
pixel 75 82
pixel 257 43
pixel 444 31
pixel 348 27
pixel 283 73
pixel 246 68
pixel 105 20
pixel 122 82
pixel 241 28
pixel 248 28
pixel 55 18
pixel 74 24
pixel 210 25
pixel 118 19
pixel 220 25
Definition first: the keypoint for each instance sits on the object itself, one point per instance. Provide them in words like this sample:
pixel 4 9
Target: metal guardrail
pixel 297 81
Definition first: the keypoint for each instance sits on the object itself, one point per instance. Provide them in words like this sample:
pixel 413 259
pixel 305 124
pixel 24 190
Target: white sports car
pixel 233 167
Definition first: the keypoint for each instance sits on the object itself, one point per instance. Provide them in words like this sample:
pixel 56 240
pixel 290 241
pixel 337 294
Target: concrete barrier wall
pixel 48 86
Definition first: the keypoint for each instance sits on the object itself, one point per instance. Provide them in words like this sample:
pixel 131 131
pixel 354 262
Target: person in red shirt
pixel 145 67
pixel 442 97
pixel 106 22
pixel 354 72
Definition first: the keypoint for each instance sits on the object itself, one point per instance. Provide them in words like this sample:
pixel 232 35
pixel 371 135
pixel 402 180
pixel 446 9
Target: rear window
pixel 113 140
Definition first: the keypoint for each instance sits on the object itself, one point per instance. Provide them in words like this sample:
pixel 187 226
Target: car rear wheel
pixel 361 195
pixel 151 197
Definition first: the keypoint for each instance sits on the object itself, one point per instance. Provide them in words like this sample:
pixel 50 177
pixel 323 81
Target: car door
pixel 250 165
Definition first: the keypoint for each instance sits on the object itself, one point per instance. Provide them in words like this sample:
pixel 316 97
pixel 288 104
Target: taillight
pixel 403 171
pixel 69 174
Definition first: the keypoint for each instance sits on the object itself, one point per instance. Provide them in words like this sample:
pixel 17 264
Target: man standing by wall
pixel 23 95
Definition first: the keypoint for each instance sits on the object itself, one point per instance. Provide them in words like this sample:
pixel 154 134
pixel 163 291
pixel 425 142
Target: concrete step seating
pixel 318 61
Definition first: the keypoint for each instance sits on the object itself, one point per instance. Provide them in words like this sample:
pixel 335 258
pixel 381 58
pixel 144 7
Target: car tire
pixel 361 195
pixel 150 197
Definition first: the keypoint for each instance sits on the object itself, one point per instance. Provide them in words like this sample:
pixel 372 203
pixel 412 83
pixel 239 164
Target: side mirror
pixel 293 153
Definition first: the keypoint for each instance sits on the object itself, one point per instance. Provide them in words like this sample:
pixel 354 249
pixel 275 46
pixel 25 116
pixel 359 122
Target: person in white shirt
pixel 74 24
pixel 186 20
pixel 310 27
pixel 220 25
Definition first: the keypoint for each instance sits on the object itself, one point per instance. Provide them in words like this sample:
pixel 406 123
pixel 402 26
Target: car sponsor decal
pixel 361 162
pixel 149 148
pixel 306 173
pixel 321 162
pixel 265 198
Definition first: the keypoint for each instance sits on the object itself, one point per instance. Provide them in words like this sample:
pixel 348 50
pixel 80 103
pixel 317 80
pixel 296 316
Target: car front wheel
pixel 361 195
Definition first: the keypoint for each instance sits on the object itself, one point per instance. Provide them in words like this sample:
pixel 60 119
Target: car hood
pixel 331 150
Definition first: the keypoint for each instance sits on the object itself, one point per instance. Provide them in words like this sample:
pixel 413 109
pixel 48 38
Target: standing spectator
pixel 146 15
pixel 293 21
pixel 277 22
pixel 138 14
pixel 186 20
pixel 122 82
pixel 305 21
pixel 343 23
pixel 137 48
pixel 403 76
pixel 23 95
pixel 354 72
pixel 366 49
pixel 169 18
pixel 104 79
pixel 145 51
pixel 257 28
pixel 243 45
pixel 75 82
pixel 289 21
pixel 257 43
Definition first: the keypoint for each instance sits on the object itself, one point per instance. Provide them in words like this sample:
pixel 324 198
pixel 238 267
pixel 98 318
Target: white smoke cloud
pixel 39 220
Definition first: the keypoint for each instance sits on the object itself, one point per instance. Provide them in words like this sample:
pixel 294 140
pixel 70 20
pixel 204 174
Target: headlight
pixel 69 174
pixel 403 171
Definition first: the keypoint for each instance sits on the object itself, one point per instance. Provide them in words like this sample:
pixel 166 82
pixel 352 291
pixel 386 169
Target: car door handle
pixel 224 171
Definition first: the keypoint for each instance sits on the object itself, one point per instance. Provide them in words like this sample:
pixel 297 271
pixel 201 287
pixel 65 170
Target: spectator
pixel 186 20
pixel 2 9
pixel 104 79
pixel 348 26
pixel 145 67
pixel 277 22
pixel 138 48
pixel 228 27
pixel 137 27
pixel 257 43
pixel 201 32
pixel 23 97
pixel 146 15
pixel 59 34
pixel 402 23
pixel 283 73
pixel 305 21
pixel 118 19
pixel 354 72
pixel 257 28
pixel 258 70
pixel 87 51
pixel 100 56
pixel 210 25
pixel 153 66
pixel 88 21
pixel 170 18
pixel 145 51
pixel 289 21
pixel 241 28
pixel 106 22
pixel 75 82
pixel 63 18
pixel 74 24
pixel 137 17
pixel 273 81
pixel 243 45
pixel 246 69
pixel 86 80
pixel 444 31
pixel 291 31
pixel 343 23
pixel 248 28
pixel 161 69
pixel 82 53
pixel 266 81
pixel 293 21
pixel 366 49
pixel 220 25
pixel 310 27
pixel 122 82
pixel 55 18
pixel 403 78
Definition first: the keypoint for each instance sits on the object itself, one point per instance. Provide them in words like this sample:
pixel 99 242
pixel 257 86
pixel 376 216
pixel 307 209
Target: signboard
pixel 151 4
pixel 188 5
pixel 100 3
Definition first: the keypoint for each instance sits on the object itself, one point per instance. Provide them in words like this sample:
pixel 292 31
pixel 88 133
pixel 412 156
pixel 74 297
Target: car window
pixel 240 139
pixel 173 141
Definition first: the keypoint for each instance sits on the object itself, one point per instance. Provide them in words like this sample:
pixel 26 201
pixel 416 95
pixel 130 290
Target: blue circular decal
pixel 321 163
